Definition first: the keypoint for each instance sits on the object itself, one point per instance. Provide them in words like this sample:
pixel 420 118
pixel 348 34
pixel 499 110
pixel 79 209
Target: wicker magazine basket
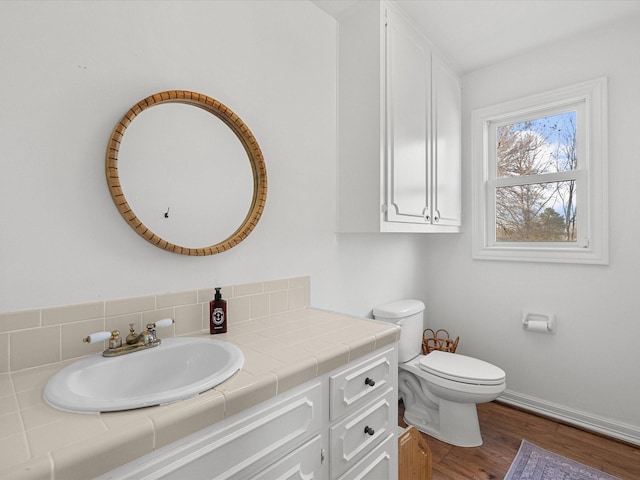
pixel 438 340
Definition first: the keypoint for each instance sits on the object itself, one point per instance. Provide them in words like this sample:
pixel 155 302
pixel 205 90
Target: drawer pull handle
pixel 369 431
pixel 369 381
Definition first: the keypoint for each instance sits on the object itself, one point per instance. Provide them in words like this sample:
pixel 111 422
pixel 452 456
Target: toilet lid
pixel 460 368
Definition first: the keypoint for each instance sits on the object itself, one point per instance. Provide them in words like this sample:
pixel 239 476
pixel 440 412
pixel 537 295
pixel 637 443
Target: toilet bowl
pixel 439 390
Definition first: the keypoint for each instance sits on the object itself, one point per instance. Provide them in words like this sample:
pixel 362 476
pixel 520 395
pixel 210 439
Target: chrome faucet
pixel 134 341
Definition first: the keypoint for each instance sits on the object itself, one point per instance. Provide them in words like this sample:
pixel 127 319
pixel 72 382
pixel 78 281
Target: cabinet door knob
pixel 368 430
pixel 369 381
pixel 425 214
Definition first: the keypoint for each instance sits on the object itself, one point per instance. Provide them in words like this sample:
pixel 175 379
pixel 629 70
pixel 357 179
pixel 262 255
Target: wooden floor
pixel 503 428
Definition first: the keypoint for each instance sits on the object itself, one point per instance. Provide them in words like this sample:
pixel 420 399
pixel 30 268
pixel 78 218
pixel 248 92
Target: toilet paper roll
pixel 541 326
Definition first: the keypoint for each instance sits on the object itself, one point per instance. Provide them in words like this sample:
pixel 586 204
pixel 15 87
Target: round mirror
pixel 189 188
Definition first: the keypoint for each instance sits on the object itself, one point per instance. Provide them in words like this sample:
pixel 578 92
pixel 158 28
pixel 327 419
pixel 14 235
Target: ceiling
pixel 475 33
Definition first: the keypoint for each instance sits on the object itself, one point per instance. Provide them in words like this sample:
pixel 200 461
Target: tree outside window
pixel 541 211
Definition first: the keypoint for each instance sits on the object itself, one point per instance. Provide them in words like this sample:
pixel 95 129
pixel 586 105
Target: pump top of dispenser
pixel 218 294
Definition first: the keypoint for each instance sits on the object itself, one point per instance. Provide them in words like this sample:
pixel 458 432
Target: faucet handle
pixel 150 332
pixel 97 337
pixel 165 322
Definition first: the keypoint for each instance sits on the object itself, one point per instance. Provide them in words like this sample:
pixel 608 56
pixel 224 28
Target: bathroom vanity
pixel 317 397
pixel 339 426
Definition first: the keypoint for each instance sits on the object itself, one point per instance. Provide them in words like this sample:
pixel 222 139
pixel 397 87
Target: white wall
pixel 591 364
pixel 70 70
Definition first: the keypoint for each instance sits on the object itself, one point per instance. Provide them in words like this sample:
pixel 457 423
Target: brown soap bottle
pixel 218 314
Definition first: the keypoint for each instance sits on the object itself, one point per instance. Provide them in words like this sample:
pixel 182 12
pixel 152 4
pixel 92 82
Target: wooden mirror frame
pixel 241 131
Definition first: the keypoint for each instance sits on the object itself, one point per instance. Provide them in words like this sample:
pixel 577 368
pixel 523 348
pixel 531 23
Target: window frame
pixel 589 99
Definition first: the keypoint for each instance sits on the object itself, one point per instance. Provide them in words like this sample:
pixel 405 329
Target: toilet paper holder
pixel 539 322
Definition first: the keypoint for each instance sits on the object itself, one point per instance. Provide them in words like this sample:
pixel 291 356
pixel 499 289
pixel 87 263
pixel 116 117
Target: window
pixel 539 177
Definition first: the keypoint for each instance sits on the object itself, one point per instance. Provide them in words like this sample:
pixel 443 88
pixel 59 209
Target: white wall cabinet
pixel 338 426
pixel 399 111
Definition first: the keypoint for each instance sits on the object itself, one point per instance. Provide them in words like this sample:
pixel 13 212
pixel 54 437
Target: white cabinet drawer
pixel 376 465
pixel 353 387
pixel 304 463
pixel 351 438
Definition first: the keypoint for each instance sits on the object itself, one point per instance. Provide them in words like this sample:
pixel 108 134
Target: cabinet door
pixel 446 134
pixel 239 448
pixel 304 463
pixel 408 104
pixel 266 434
pixel 376 465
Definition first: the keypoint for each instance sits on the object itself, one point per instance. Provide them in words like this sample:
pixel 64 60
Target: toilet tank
pixel 408 314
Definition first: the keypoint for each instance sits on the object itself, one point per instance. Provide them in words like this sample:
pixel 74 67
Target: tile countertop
pixel 281 352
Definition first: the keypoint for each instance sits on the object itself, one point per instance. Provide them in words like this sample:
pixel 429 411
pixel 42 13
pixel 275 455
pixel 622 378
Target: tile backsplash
pixel 33 338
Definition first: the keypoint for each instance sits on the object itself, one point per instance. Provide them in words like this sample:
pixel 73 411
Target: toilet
pixel 439 390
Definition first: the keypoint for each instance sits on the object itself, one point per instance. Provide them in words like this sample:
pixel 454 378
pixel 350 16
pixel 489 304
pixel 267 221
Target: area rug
pixel 535 463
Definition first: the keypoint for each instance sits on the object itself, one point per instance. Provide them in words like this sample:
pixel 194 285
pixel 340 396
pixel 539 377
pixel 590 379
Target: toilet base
pixel 458 423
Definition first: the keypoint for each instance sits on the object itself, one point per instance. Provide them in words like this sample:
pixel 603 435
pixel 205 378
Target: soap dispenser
pixel 218 314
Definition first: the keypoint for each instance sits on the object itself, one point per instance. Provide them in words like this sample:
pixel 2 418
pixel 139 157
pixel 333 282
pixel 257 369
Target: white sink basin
pixel 176 369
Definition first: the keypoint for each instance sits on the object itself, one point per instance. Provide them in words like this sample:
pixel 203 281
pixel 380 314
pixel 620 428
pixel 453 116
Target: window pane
pixel 543 145
pixel 539 212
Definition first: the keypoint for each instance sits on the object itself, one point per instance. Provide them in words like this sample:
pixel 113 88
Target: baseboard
pixel 611 428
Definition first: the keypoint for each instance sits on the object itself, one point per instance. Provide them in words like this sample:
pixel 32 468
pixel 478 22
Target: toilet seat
pixel 462 369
